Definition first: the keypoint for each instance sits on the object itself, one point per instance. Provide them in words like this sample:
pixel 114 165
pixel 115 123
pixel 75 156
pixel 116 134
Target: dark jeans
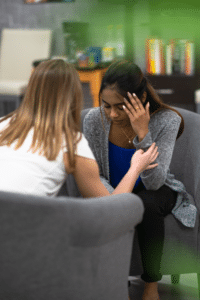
pixel 158 204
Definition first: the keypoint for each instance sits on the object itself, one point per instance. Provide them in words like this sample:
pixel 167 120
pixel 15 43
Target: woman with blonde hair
pixel 40 142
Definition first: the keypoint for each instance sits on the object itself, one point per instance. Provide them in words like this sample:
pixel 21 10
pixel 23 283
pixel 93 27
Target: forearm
pixel 141 135
pixel 165 139
pixel 107 184
pixel 127 183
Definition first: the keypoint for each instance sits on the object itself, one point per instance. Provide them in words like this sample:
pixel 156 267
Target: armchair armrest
pixel 103 219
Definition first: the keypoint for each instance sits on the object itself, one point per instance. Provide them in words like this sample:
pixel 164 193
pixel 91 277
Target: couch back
pixel 66 248
pixel 185 164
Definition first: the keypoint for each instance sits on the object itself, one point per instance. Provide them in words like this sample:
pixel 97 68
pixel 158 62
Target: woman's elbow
pixel 154 185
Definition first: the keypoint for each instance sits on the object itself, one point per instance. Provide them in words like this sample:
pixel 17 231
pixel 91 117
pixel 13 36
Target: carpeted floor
pixel 185 290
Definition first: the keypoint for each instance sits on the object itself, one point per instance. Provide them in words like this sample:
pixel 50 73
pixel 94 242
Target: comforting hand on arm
pixel 87 173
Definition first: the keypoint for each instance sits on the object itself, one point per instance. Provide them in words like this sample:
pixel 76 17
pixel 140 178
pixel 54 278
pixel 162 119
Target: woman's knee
pixel 149 197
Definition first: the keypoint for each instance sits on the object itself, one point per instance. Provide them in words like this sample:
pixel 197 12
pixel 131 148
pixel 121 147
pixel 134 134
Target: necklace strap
pixel 129 139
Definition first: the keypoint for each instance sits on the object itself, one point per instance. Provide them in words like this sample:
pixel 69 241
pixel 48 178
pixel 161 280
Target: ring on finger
pixel 137 107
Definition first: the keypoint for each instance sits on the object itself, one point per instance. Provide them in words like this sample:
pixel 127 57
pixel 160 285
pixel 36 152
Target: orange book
pixel 187 59
pixel 152 56
pixel 155 59
pixel 147 56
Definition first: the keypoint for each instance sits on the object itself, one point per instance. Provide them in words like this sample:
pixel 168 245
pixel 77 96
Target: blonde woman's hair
pixel 52 107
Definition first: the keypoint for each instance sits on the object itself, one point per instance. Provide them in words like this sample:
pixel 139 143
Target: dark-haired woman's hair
pixel 124 76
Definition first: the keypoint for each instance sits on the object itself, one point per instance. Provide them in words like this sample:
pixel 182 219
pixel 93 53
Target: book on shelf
pixel 154 56
pixel 189 60
pixel 175 57
pixel 168 64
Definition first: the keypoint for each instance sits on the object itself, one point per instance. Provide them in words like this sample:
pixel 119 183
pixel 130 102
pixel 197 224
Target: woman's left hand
pixel 138 115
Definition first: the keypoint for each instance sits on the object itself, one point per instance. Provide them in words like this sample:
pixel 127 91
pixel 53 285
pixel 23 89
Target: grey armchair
pixel 66 248
pixel 181 252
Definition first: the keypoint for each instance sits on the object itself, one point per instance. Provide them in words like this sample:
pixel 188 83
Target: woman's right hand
pixel 141 160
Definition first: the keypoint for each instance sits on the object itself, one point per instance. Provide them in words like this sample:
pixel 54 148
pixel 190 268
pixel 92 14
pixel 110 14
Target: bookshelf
pixel 176 90
pixel 174 57
pixel 171 71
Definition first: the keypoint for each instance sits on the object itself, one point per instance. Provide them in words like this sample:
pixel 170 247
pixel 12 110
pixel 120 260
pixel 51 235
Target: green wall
pixel 165 19
pixel 100 16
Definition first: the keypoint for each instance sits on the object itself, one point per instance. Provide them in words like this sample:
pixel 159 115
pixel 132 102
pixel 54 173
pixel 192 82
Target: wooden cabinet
pixel 175 90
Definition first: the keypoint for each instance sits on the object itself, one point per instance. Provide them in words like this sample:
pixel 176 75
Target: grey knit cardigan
pixel 163 129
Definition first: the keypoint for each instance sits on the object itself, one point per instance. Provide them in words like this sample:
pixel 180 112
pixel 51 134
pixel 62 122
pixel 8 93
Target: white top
pixel 30 173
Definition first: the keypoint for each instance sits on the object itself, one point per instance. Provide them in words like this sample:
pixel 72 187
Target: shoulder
pixel 92 124
pixel 83 148
pixel 83 143
pixel 165 117
pixel 4 124
pixel 94 115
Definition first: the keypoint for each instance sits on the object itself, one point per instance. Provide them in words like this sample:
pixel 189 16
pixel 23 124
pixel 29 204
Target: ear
pixel 144 97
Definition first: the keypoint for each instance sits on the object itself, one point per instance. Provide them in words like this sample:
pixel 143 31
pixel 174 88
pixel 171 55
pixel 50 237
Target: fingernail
pixel 134 94
pixel 123 106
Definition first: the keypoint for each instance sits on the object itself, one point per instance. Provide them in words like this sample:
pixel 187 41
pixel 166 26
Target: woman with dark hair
pixel 131 116
pixel 41 143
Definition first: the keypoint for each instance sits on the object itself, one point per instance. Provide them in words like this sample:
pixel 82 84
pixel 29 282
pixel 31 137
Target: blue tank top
pixel 119 163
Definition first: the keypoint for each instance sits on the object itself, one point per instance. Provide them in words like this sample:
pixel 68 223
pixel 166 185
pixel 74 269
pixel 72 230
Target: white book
pixel 157 57
pixel 182 49
pixel 169 59
pixel 192 58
